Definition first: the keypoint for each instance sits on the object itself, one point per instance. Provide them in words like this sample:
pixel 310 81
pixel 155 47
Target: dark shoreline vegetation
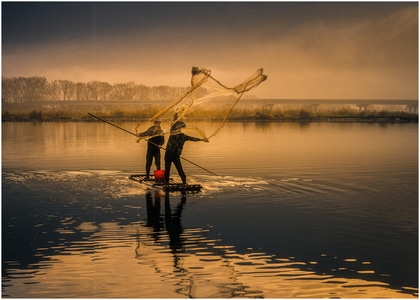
pixel 241 115
pixel 34 99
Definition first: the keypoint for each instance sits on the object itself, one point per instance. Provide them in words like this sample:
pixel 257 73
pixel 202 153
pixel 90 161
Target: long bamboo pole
pixel 132 133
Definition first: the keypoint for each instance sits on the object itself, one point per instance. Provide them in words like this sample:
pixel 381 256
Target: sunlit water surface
pixel 313 210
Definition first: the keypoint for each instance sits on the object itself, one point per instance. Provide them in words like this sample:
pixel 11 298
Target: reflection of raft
pixel 167 187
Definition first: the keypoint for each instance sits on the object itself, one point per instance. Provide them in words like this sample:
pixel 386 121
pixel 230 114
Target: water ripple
pixel 102 228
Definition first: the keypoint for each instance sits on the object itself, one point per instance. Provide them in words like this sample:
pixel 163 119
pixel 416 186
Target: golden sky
pixel 308 50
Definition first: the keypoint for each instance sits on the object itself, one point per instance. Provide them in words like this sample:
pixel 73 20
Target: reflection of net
pixel 206 99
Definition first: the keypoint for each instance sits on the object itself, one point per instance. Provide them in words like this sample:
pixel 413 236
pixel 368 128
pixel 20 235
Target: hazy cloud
pixel 308 50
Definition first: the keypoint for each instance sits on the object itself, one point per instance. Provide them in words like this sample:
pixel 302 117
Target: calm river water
pixel 296 210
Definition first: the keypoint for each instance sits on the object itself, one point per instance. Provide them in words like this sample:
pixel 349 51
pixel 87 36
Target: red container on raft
pixel 159 175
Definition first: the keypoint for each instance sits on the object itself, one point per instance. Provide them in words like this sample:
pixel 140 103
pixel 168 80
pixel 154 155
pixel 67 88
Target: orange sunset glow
pixel 157 267
pixel 210 149
pixel 309 50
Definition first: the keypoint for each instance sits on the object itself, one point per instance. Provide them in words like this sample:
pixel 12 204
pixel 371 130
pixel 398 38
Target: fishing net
pixel 206 105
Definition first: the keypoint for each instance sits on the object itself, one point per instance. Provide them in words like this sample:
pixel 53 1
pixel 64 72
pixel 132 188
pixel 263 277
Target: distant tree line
pixel 21 90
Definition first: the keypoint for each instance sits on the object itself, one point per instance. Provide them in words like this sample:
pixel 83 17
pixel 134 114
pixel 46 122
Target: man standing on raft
pixel 174 149
pixel 154 143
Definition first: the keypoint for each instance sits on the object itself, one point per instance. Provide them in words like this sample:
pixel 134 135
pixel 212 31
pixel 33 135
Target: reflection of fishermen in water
pixel 174 225
pixel 172 222
pixel 153 213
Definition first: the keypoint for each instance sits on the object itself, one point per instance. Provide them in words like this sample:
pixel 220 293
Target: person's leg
pixel 149 158
pixel 181 173
pixel 168 162
pixel 157 159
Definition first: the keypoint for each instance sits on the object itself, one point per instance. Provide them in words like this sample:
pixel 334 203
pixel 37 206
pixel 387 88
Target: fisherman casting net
pixel 206 105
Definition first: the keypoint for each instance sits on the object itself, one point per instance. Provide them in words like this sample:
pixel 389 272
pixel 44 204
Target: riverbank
pixel 287 116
